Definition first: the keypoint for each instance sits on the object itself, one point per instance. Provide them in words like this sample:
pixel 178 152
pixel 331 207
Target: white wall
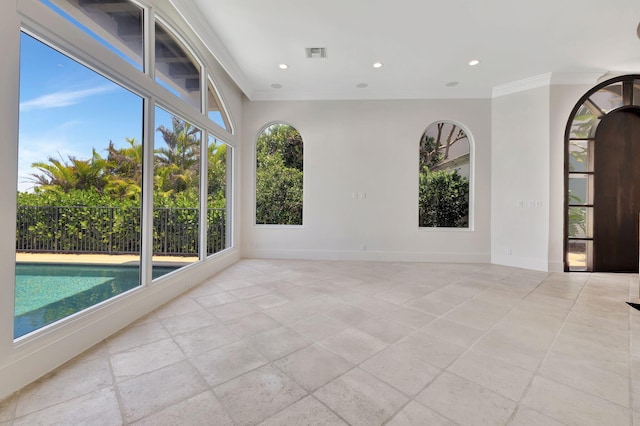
pixel 520 179
pixel 23 361
pixel 369 147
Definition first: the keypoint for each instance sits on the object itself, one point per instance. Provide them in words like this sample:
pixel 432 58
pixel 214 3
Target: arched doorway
pixel 602 178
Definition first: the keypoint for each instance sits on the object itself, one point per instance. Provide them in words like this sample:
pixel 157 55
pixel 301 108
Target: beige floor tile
pixel 268 301
pixel 290 312
pixel 466 315
pixel 409 317
pixel 202 409
pixel 231 311
pixel 205 339
pixel 152 392
pixel 443 296
pixel 452 331
pixel 498 376
pixel 249 292
pixel 405 370
pixel 178 306
pixel 135 336
pixel 466 402
pixel 430 306
pixel 361 399
pixel 99 407
pixel 609 359
pixel 228 362
pixel 234 284
pixel 211 300
pixel 433 350
pixel 587 376
pixel 573 407
pixel 372 304
pixel 278 342
pixel 349 314
pixel 145 358
pixel 313 366
pixel 395 296
pixel 8 408
pixel 252 324
pixel 500 346
pixel 527 417
pixel 416 414
pixel 308 412
pixel 188 322
pixel 388 331
pixel 353 345
pixel 70 381
pixel 318 327
pixel 255 396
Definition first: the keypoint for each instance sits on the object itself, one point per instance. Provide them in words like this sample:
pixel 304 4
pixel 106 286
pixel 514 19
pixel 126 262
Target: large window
pixel 113 190
pixel 444 176
pixel 279 176
pixel 80 159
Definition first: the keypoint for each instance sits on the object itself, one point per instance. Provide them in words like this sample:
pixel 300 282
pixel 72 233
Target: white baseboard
pixel 367 255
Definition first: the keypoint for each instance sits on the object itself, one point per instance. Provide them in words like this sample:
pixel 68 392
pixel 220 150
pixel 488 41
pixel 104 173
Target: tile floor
pixel 362 343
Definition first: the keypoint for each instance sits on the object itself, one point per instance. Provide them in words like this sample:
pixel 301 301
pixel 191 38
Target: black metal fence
pixel 115 230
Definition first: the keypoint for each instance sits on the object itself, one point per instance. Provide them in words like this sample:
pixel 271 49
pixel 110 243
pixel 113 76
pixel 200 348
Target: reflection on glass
pixel 215 111
pixel 580 189
pixel 636 92
pixel 117 24
pixel 580 156
pixel 176 191
pixel 608 98
pixel 176 68
pixel 79 188
pixel 583 122
pixel 219 156
pixel 580 222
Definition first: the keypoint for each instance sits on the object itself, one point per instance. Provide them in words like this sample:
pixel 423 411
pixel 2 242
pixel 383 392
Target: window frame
pixel 38 20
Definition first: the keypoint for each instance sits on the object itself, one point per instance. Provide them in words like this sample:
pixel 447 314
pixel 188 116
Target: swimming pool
pixel 46 293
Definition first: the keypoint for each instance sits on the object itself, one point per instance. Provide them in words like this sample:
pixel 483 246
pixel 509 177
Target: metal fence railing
pixel 115 230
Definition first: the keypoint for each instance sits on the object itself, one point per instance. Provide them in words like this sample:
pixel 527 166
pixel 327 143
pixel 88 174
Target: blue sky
pixel 67 109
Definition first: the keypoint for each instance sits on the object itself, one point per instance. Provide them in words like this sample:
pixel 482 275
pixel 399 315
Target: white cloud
pixel 62 99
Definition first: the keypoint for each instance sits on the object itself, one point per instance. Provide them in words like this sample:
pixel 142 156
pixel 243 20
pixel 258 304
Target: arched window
pixel 602 199
pixel 444 176
pixel 279 176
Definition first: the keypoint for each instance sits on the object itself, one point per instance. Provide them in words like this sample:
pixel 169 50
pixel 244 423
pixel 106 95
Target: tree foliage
pixel 443 199
pixel 279 176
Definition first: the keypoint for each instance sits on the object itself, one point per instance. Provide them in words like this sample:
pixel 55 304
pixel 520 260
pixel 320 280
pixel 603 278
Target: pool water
pixel 46 293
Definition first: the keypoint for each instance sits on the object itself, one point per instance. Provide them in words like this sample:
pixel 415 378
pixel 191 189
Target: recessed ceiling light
pixel 276 86
pixel 283 66
pixel 362 85
pixel 474 62
pixel 452 83
pixel 378 64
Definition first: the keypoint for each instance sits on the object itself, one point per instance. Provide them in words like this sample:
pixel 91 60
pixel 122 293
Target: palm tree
pixel 177 164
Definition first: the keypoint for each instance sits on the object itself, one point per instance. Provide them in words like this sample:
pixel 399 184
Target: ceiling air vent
pixel 316 52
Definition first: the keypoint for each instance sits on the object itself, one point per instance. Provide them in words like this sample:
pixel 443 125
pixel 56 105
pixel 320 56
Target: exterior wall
pixel 25 360
pixel 367 147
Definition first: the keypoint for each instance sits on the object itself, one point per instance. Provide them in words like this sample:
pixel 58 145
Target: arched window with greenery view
pixel 444 177
pixel 279 176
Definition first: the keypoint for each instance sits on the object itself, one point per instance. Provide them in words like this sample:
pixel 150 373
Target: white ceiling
pixel 423 44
